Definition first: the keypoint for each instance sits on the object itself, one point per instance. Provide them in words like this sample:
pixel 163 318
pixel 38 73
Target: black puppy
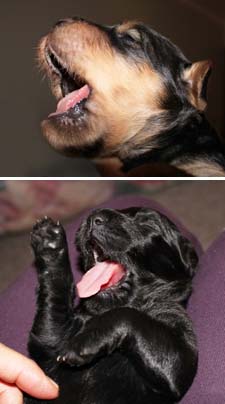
pixel 129 340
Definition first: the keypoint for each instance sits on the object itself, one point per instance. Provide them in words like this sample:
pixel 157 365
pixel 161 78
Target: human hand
pixel 17 374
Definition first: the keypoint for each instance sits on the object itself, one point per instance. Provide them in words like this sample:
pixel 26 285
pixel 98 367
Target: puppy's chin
pixel 71 136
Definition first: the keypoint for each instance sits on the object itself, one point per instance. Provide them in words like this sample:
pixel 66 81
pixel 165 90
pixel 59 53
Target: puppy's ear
pixel 188 255
pixel 196 77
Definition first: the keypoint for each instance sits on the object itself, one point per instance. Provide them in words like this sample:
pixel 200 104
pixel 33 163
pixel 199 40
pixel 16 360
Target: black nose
pixel 77 19
pixel 98 220
pixel 63 22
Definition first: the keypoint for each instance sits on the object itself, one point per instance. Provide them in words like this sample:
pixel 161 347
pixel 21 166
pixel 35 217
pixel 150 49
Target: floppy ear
pixel 188 255
pixel 196 76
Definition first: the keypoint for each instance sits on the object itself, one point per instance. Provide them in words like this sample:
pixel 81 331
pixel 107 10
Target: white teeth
pixel 95 256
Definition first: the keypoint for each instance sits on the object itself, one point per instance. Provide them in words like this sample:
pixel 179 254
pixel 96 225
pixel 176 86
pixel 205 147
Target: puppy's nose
pixel 78 19
pixel 98 220
pixel 63 22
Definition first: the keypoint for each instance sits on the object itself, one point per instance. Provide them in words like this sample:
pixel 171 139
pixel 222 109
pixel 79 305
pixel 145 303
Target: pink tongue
pixel 71 99
pixel 101 276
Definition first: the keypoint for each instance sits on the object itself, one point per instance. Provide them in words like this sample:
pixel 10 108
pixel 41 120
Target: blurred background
pixel 197 26
pixel 199 205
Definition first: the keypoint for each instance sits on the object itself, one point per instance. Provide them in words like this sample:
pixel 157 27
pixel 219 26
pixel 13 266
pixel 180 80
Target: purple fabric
pixel 207 309
pixel 17 303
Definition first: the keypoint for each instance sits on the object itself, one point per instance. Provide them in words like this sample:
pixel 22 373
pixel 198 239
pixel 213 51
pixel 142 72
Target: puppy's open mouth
pixel 75 90
pixel 103 275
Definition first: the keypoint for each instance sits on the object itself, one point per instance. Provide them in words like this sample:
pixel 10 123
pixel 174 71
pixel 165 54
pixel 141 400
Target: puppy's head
pixel 150 253
pixel 114 86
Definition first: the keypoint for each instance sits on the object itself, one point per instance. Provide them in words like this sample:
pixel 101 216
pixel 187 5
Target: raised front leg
pixel 55 295
pixel 160 353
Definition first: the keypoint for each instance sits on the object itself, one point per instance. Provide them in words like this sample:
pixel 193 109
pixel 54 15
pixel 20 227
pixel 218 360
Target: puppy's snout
pixel 101 218
pixel 64 21
pixel 98 220
pixel 78 19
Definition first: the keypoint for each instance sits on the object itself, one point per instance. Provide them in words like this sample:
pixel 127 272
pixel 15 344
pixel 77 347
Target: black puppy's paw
pixel 72 358
pixel 83 350
pixel 48 237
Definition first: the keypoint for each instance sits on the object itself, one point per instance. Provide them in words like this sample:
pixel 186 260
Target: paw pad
pixel 48 235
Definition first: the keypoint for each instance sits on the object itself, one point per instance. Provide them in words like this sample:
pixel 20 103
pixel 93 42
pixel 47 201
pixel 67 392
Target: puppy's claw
pixel 57 229
pixel 61 358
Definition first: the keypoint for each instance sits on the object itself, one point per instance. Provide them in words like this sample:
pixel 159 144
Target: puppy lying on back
pixel 129 340
pixel 130 100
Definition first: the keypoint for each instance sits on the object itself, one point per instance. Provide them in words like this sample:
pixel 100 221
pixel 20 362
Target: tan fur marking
pixel 126 26
pixel 124 95
pixel 202 169
pixel 194 76
pixel 109 167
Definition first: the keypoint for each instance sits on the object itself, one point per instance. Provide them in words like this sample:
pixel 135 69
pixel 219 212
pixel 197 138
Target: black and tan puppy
pixel 129 340
pixel 128 99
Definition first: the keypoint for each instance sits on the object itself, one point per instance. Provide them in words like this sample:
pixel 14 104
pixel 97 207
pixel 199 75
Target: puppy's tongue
pixel 101 276
pixel 71 99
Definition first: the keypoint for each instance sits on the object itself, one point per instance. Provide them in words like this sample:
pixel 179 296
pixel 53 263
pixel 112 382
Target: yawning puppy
pixel 129 340
pixel 127 98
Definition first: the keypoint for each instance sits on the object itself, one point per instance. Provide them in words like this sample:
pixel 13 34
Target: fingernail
pixel 53 383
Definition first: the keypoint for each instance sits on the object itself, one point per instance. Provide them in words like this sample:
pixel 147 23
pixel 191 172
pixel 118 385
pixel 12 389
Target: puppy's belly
pixel 112 380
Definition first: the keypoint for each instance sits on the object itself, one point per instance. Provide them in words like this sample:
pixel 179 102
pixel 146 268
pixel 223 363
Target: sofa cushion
pixel 207 310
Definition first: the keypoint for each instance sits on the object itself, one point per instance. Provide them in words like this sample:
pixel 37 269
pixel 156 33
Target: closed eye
pixel 128 37
pixel 134 35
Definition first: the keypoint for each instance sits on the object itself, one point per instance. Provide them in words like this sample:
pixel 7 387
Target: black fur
pixel 183 143
pixel 132 343
pixel 184 136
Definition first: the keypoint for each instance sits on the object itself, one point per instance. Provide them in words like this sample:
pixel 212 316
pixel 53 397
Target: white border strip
pixel 112 178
